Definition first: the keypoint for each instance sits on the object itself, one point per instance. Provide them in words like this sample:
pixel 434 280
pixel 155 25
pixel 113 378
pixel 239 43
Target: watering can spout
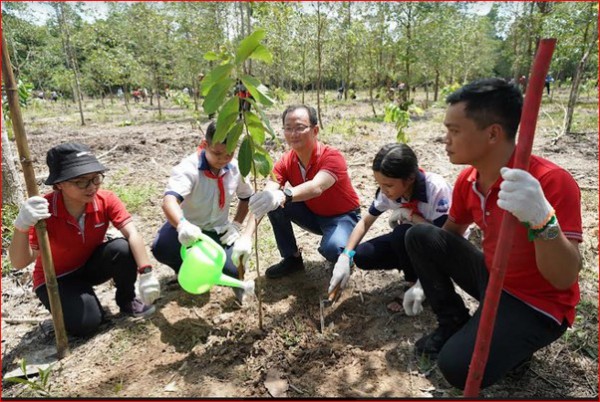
pixel 226 280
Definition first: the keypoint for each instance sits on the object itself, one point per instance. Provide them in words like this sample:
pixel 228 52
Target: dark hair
pixel 210 133
pixel 489 101
pixel 397 161
pixel 312 113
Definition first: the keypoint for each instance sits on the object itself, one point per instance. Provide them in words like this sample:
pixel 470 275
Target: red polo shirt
pixel 337 199
pixel 523 279
pixel 71 248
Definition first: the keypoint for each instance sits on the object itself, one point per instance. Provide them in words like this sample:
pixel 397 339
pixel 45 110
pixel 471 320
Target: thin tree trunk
pixel 319 55
pixel 66 42
pixel 436 86
pixel 12 184
pixel 576 82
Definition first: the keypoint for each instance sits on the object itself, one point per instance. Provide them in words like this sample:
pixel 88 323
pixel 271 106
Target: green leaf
pixel 263 163
pixel 245 156
pixel 261 53
pixel 248 45
pixel 216 95
pixel 233 136
pixel 211 56
pixel 264 118
pixel 216 75
pixel 257 90
pixel 227 116
pixel 255 127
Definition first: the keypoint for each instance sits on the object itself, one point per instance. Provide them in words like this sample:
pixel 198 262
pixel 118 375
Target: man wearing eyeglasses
pixel 77 215
pixel 313 190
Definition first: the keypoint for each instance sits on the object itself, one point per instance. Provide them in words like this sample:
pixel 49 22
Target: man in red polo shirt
pixel 319 196
pixel 540 289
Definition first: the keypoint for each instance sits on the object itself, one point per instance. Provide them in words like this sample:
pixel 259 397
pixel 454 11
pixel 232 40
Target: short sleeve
pixel 117 213
pixel 563 193
pixel 244 189
pixel 182 179
pixel 334 164
pixel 441 195
pixel 459 213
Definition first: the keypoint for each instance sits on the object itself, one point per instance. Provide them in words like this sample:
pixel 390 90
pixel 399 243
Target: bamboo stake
pixel 62 344
pixel 531 107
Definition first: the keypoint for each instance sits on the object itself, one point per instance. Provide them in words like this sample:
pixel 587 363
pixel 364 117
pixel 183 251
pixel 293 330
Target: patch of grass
pixel 583 336
pixel 134 196
pixel 346 128
pixel 425 364
pixel 38 387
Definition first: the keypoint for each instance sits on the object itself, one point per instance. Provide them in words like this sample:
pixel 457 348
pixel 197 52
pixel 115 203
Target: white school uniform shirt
pixel 199 194
pixel 432 192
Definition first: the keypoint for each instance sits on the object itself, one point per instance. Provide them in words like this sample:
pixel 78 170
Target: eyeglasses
pixel 84 183
pixel 297 129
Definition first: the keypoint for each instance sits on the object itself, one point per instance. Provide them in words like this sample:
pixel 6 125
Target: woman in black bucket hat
pixel 77 215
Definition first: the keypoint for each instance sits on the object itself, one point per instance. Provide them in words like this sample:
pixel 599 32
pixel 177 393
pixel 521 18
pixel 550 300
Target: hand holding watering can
pixel 202 267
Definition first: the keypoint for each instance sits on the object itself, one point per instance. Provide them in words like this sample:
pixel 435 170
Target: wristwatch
pixel 548 232
pixel 288 195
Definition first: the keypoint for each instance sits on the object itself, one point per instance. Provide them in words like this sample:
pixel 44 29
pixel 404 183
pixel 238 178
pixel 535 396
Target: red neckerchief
pixel 219 178
pixel 413 204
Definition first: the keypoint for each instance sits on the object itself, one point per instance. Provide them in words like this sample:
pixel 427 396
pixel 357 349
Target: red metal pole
pixel 531 106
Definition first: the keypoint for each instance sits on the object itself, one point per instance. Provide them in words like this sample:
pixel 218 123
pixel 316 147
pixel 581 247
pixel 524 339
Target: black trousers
pixel 440 257
pixel 386 252
pixel 81 308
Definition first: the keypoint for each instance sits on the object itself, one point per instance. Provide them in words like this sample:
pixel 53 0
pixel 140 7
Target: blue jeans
pixel 167 249
pixel 335 229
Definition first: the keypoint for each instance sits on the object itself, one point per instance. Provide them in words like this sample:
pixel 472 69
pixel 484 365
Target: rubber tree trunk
pixel 575 85
pixel 12 184
pixel 62 344
pixel 531 107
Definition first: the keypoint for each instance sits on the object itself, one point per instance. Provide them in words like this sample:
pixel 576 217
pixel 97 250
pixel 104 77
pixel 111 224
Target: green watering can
pixel 202 267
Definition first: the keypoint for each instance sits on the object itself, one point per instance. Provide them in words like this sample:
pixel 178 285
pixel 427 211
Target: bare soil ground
pixel 209 346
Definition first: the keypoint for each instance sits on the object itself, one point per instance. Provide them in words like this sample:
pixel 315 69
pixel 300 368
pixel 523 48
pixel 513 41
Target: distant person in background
pixel 340 92
pixel 523 83
pixel 547 82
pixel 120 93
pixel 242 92
pixel 53 96
pixel 137 95
pixel 78 213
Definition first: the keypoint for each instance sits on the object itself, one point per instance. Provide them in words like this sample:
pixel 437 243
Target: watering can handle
pixel 203 237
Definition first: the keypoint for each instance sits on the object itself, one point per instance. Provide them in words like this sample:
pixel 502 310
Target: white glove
pixel 266 201
pixel 413 300
pixel 187 233
pixel 241 251
pixel 32 210
pixel 521 195
pixel 230 232
pixel 341 273
pixel 400 216
pixel 148 288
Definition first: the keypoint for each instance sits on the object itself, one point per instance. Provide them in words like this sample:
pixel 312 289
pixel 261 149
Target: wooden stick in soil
pixel 62 344
pixel 257 283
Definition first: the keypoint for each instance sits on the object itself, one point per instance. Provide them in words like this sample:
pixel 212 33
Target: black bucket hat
pixel 70 160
